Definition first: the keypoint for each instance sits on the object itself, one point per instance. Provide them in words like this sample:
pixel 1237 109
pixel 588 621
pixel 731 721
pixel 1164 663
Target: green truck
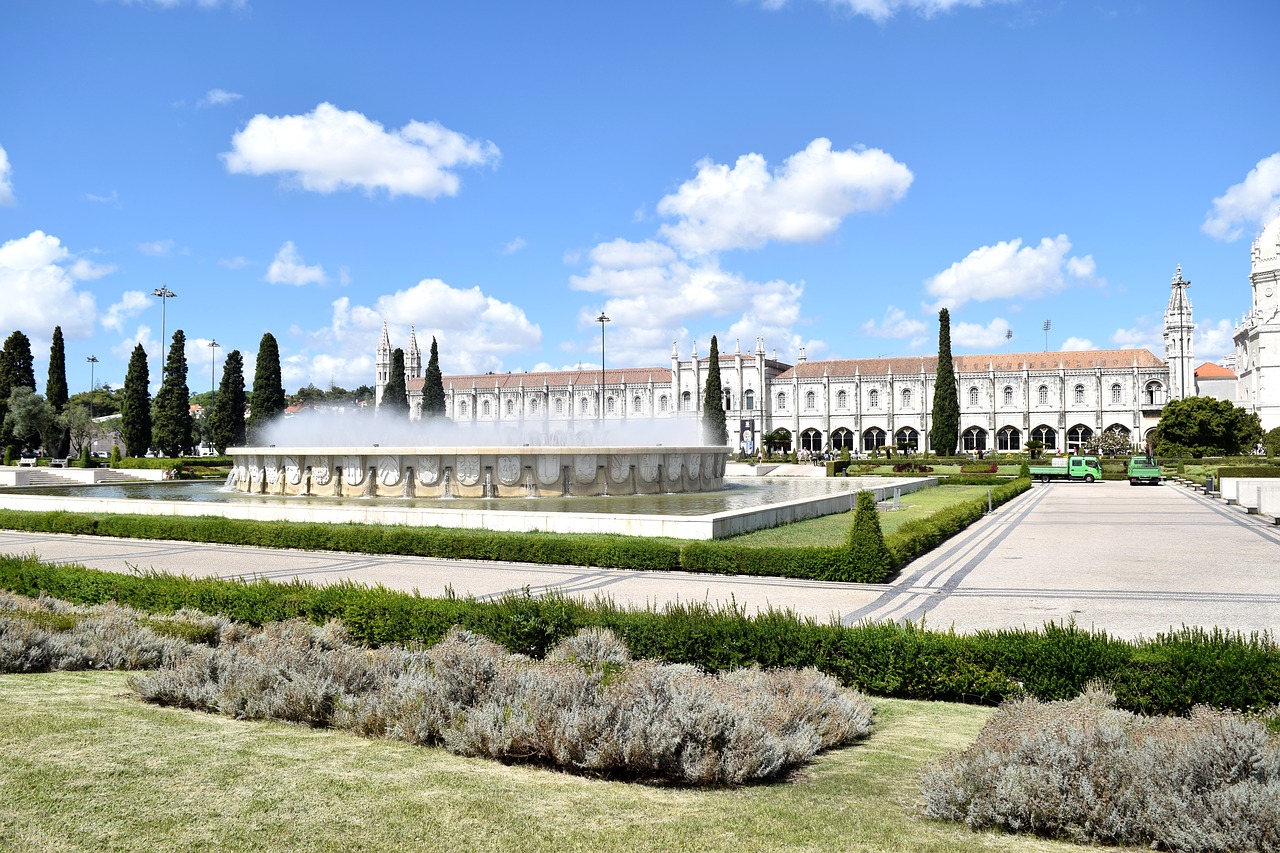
pixel 1086 468
pixel 1143 470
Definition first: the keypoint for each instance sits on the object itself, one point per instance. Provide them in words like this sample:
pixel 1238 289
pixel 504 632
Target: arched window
pixel 873 439
pixel 559 406
pixel 748 399
pixel 873 399
pixel 973 397
pixel 1154 394
pixel 1008 395
pixel 810 400
pixel 782 400
pixel 511 406
pixel 842 399
pixel 811 440
pixel 841 438
pixel 1048 436
pixel 462 408
pixel 1079 395
pixel 662 403
pixel 608 405
pixel 686 401
pixel 1115 393
pixel 1042 395
pixel 582 405
pixel 907 439
pixel 1008 439
pixel 1077 437
pixel 533 405
pixel 635 403
pixel 906 398
pixel 484 408
pixel 728 400
pixel 974 439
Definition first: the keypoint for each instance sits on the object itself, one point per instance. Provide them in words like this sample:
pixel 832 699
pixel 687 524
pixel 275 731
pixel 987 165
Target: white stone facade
pixel 1257 338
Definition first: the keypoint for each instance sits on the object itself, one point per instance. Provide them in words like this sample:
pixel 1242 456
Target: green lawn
pixel 834 529
pixel 87 766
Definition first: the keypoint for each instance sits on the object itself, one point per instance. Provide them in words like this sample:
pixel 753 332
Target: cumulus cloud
pixel 330 149
pixel 6 181
pixel 882 10
pixel 1213 339
pixel 83 269
pixel 1074 344
pixel 1009 270
pixel 514 246
pixel 1252 203
pixel 894 324
pixel 131 304
pixel 142 335
pixel 218 98
pixel 976 336
pixel 156 248
pixel 1145 333
pixel 288 268
pixel 747 206
pixel 39 287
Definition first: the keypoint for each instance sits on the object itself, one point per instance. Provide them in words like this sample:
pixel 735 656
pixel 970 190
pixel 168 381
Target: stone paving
pixel 1134 561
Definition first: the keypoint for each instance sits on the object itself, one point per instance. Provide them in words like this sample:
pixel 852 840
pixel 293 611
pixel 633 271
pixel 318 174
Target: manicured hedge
pixel 165 462
pixel 1167 674
pixel 1249 471
pixel 607 551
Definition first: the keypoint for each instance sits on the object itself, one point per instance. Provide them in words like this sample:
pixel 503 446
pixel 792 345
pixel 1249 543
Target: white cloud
pixel 83 269
pixel 1145 333
pixel 514 246
pixel 1009 270
pixel 895 324
pixel 746 206
pixel 156 248
pixel 201 4
pixel 150 345
pixel 6 181
pixel 113 199
pixel 218 98
pixel 238 262
pixel 288 268
pixel 131 304
pixel 1255 201
pixel 1074 344
pixel 882 10
pixel 1213 340
pixel 39 287
pixel 330 149
pixel 976 336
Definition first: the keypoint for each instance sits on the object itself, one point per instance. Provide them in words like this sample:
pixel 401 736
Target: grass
pixel 89 767
pixel 834 529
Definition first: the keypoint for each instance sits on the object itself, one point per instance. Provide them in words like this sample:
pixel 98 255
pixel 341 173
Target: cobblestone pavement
pixel 1132 561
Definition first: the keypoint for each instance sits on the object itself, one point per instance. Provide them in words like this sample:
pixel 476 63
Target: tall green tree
pixel 226 424
pixel 433 386
pixel 31 418
pixel 714 430
pixel 944 435
pixel 135 405
pixel 1203 426
pixel 55 389
pixel 395 398
pixel 267 401
pixel 171 425
pixel 17 370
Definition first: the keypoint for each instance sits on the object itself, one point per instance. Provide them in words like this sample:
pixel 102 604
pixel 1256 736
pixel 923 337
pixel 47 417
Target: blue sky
pixel 822 173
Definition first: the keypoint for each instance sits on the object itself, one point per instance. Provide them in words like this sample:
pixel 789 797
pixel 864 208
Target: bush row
pixel 1248 471
pixel 607 551
pixel 165 462
pixel 1166 674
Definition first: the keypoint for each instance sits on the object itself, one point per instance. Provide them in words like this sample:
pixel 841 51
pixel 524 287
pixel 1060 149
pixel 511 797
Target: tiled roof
pixel 908 365
pixel 554 379
pixel 1209 370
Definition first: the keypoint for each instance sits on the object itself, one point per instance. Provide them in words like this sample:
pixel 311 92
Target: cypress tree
pixel 433 386
pixel 945 432
pixel 55 390
pixel 171 427
pixel 395 399
pixel 226 423
pixel 868 554
pixel 135 405
pixel 17 370
pixel 268 400
pixel 714 430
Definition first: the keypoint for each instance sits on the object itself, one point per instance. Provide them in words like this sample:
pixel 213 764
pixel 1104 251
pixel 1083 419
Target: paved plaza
pixel 1132 561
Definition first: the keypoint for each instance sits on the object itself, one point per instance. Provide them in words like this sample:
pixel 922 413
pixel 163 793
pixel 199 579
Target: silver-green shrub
pixel 1085 771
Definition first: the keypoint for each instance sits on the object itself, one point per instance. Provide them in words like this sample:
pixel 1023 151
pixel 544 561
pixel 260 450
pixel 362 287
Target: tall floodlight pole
pixel 165 295
pixel 1047 325
pixel 93 360
pixel 602 319
pixel 213 363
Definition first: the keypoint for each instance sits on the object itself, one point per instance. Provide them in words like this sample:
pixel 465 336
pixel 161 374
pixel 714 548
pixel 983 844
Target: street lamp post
pixel 213 389
pixel 602 319
pixel 93 360
pixel 165 295
pixel 1047 324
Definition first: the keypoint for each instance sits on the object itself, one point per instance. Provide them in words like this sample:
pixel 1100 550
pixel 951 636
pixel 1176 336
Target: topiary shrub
pixel 867 552
pixel 8 454
pixel 114 461
pixel 1024 470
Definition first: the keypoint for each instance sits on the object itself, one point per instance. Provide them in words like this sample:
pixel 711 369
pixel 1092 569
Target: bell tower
pixel 1179 352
